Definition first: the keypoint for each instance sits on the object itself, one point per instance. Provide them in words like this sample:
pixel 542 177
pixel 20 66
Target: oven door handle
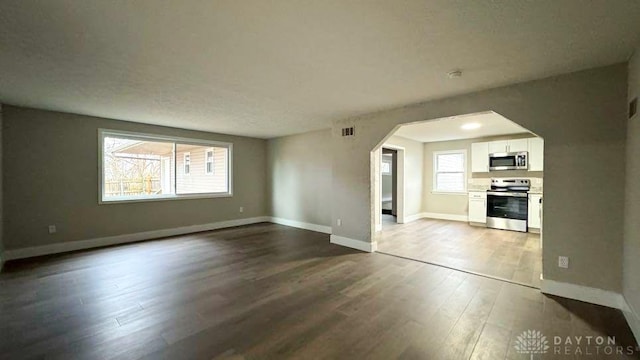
pixel 510 194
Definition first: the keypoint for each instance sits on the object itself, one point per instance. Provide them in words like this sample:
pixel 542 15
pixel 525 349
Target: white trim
pixel 631 315
pixel 354 244
pixel 125 238
pixel 583 293
pixel 301 225
pixel 378 227
pixel 439 216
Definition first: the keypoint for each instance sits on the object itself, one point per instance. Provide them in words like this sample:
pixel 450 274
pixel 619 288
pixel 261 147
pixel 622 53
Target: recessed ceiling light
pixel 470 126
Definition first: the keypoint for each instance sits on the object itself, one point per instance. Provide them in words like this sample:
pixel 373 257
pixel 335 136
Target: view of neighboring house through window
pixel 141 166
pixel 449 171
pixel 209 161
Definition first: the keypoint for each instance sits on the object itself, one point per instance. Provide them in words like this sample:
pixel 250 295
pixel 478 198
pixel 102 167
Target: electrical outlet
pixel 52 229
pixel 339 222
pixel 241 209
pixel 563 262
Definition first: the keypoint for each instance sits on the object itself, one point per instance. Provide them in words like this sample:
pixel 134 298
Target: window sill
pixel 119 200
pixel 460 193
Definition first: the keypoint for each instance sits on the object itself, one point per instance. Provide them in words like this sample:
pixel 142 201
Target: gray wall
pixel 52 178
pixel 458 204
pixel 300 177
pixel 1 195
pixel 632 203
pixel 582 118
pixel 413 163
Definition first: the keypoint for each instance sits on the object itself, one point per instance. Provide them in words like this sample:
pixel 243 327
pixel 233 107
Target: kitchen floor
pixel 508 255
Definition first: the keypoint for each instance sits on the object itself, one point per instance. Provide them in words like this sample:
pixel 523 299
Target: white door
pixel 518 145
pixel 480 157
pixel 477 207
pixel 536 154
pixel 498 146
pixel 534 211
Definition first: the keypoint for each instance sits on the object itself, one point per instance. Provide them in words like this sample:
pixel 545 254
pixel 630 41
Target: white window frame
pixel 186 160
pixel 435 172
pixel 102 133
pixel 206 162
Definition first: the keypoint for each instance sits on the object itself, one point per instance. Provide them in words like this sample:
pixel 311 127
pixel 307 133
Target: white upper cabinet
pixel 518 145
pixel 498 146
pixel 480 157
pixel 536 154
pixel 480 152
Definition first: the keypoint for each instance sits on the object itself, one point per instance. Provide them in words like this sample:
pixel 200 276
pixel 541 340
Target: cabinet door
pixel 518 145
pixel 498 146
pixel 480 157
pixel 536 154
pixel 477 210
pixel 534 211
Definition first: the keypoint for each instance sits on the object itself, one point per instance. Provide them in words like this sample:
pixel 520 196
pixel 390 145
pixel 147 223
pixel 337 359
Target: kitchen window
pixel 450 171
pixel 142 167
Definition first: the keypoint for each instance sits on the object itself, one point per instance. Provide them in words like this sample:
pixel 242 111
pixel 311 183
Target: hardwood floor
pixel 270 291
pixel 509 255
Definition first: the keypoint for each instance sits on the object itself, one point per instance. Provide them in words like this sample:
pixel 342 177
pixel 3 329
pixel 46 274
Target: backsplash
pixel 483 184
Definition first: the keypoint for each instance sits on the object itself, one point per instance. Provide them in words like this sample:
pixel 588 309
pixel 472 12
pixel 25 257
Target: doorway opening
pixel 470 192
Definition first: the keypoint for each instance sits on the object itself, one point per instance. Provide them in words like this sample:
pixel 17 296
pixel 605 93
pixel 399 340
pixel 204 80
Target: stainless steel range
pixel 508 204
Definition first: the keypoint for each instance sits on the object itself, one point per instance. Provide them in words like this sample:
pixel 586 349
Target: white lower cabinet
pixel 534 211
pixel 478 207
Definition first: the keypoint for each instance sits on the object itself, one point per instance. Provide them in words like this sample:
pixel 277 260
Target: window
pixel 187 163
pixel 386 166
pixel 137 167
pixel 208 155
pixel 449 171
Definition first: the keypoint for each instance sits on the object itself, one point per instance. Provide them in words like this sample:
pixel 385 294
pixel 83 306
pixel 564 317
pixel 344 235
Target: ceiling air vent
pixel 633 107
pixel 348 131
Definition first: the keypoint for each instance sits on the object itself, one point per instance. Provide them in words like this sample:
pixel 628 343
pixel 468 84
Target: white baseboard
pixel 631 315
pixel 451 217
pixel 301 225
pixel 125 238
pixel 354 244
pixel 583 293
pixel 438 216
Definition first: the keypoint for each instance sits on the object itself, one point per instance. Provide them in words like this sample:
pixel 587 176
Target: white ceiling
pixel 445 129
pixel 270 68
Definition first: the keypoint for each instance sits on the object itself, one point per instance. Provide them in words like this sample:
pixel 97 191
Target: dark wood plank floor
pixel 510 255
pixel 270 291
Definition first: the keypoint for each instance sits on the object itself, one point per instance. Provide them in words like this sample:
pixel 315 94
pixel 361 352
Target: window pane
pixel 134 168
pixel 450 182
pixel 200 179
pixel 450 162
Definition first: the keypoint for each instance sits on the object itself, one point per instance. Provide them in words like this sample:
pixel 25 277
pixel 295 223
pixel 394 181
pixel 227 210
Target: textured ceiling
pixel 491 124
pixel 270 68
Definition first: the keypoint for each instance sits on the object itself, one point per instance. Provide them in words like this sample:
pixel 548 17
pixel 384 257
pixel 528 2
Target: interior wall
pixel 1 195
pixel 413 169
pixel 582 118
pixel 458 204
pixel 300 177
pixel 54 180
pixel 632 199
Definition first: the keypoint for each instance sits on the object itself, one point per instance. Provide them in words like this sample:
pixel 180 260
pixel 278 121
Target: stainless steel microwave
pixel 509 161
